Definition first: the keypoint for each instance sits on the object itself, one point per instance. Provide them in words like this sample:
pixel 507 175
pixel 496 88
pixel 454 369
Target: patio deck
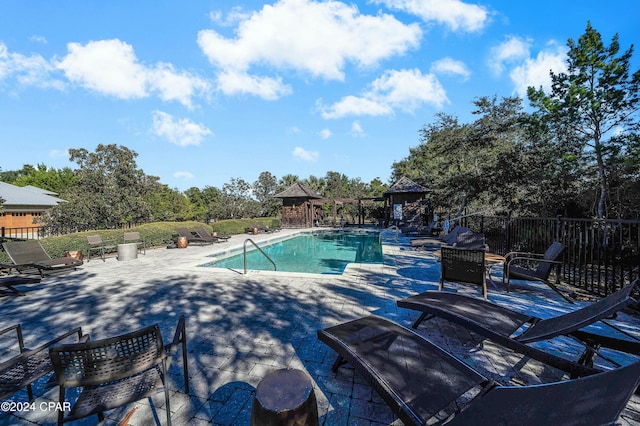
pixel 239 327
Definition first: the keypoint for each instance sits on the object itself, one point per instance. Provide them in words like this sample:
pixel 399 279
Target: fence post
pixel 3 232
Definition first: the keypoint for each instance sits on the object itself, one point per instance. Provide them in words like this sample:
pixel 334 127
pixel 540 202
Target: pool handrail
pixel 244 252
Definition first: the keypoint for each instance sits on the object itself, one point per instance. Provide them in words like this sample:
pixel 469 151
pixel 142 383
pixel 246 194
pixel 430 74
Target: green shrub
pixel 157 234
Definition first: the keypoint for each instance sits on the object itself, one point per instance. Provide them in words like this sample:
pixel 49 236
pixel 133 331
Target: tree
pixel 597 99
pixel 110 190
pixel 235 200
pixel 286 181
pixel 264 190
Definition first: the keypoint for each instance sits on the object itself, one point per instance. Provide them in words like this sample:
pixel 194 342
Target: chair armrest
pixel 512 254
pixel 78 330
pixel 536 259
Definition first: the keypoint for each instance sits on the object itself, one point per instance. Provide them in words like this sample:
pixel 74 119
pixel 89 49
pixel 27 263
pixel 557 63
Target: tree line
pixel 575 153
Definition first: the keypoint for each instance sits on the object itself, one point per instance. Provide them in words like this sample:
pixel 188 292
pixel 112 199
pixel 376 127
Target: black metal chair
pixel 461 265
pixel 418 380
pixel 116 371
pixel 534 266
pixel 29 365
pixel 96 244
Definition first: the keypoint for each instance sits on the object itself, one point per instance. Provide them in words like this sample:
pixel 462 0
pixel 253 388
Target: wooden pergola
pixel 340 201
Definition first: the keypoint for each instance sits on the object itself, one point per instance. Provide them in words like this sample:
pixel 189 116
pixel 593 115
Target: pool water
pixel 317 253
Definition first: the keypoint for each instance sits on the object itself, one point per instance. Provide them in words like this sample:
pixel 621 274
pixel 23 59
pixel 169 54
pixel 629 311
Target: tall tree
pixel 597 99
pixel 264 190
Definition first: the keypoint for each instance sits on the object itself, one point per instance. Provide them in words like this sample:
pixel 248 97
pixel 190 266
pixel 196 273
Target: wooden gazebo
pixel 298 210
pixel 403 192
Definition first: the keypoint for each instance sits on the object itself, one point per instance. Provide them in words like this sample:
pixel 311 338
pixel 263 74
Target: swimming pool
pixel 316 253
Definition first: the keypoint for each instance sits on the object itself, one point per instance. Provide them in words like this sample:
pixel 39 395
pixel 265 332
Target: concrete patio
pixel 239 327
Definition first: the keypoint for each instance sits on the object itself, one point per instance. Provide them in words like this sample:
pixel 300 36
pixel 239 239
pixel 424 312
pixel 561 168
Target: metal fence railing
pixel 601 256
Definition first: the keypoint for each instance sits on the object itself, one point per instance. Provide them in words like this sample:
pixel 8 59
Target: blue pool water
pixel 317 253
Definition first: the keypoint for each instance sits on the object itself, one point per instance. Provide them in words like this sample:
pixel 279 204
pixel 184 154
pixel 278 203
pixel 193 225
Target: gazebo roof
pixel 298 190
pixel 404 185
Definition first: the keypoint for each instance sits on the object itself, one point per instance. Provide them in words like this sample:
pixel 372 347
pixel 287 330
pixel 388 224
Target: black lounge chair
pixel 29 365
pixel 192 239
pixel 435 243
pixel 9 281
pixel 206 236
pixel 516 266
pixel 116 371
pixel 29 257
pixel 505 326
pixel 418 380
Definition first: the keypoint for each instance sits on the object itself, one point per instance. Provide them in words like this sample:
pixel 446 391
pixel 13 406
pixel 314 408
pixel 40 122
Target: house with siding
pixel 21 206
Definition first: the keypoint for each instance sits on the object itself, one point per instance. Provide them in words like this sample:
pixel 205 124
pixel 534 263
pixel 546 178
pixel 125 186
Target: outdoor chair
pixel 29 365
pixel 206 236
pixel 471 241
pixel 29 257
pixel 192 239
pixel 116 371
pixel 516 330
pixel 8 282
pixel 418 380
pixel 516 266
pixel 463 266
pixel 97 245
pixel 435 243
pixel 134 237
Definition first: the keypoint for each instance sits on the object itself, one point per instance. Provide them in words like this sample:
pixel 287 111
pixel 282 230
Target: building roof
pixel 403 185
pixel 26 196
pixel 298 190
pixel 43 191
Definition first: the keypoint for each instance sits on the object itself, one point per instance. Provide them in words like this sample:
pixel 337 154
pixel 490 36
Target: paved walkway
pixel 242 326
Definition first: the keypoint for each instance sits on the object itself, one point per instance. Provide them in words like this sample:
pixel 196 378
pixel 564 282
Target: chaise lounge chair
pixel 9 281
pixel 192 239
pixel 29 365
pixel 418 379
pixel 504 326
pixel 29 256
pixel 202 233
pixel 435 243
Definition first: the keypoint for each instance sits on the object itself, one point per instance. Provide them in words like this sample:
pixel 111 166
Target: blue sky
pixel 208 91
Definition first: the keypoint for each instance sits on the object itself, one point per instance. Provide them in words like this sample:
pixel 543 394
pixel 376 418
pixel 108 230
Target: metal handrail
pixel 244 251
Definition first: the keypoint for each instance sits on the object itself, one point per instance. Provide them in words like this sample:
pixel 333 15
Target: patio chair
pixel 435 243
pixel 513 267
pixel 8 282
pixel 29 365
pixel 418 379
pixel 471 241
pixel 202 233
pixel 116 371
pixel 30 257
pixel 98 245
pixel 192 239
pixel 505 326
pixel 134 237
pixel 464 266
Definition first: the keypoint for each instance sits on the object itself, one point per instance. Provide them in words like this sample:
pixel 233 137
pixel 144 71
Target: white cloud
pixel 31 70
pixel 356 130
pixel 181 132
pixel 325 133
pixel 406 90
pixel 38 39
pixel 183 175
pixel 311 37
pixel 110 67
pixel 535 72
pixel 450 66
pixel 513 49
pixel 59 153
pixel 304 155
pixel 455 14
pixel 231 82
